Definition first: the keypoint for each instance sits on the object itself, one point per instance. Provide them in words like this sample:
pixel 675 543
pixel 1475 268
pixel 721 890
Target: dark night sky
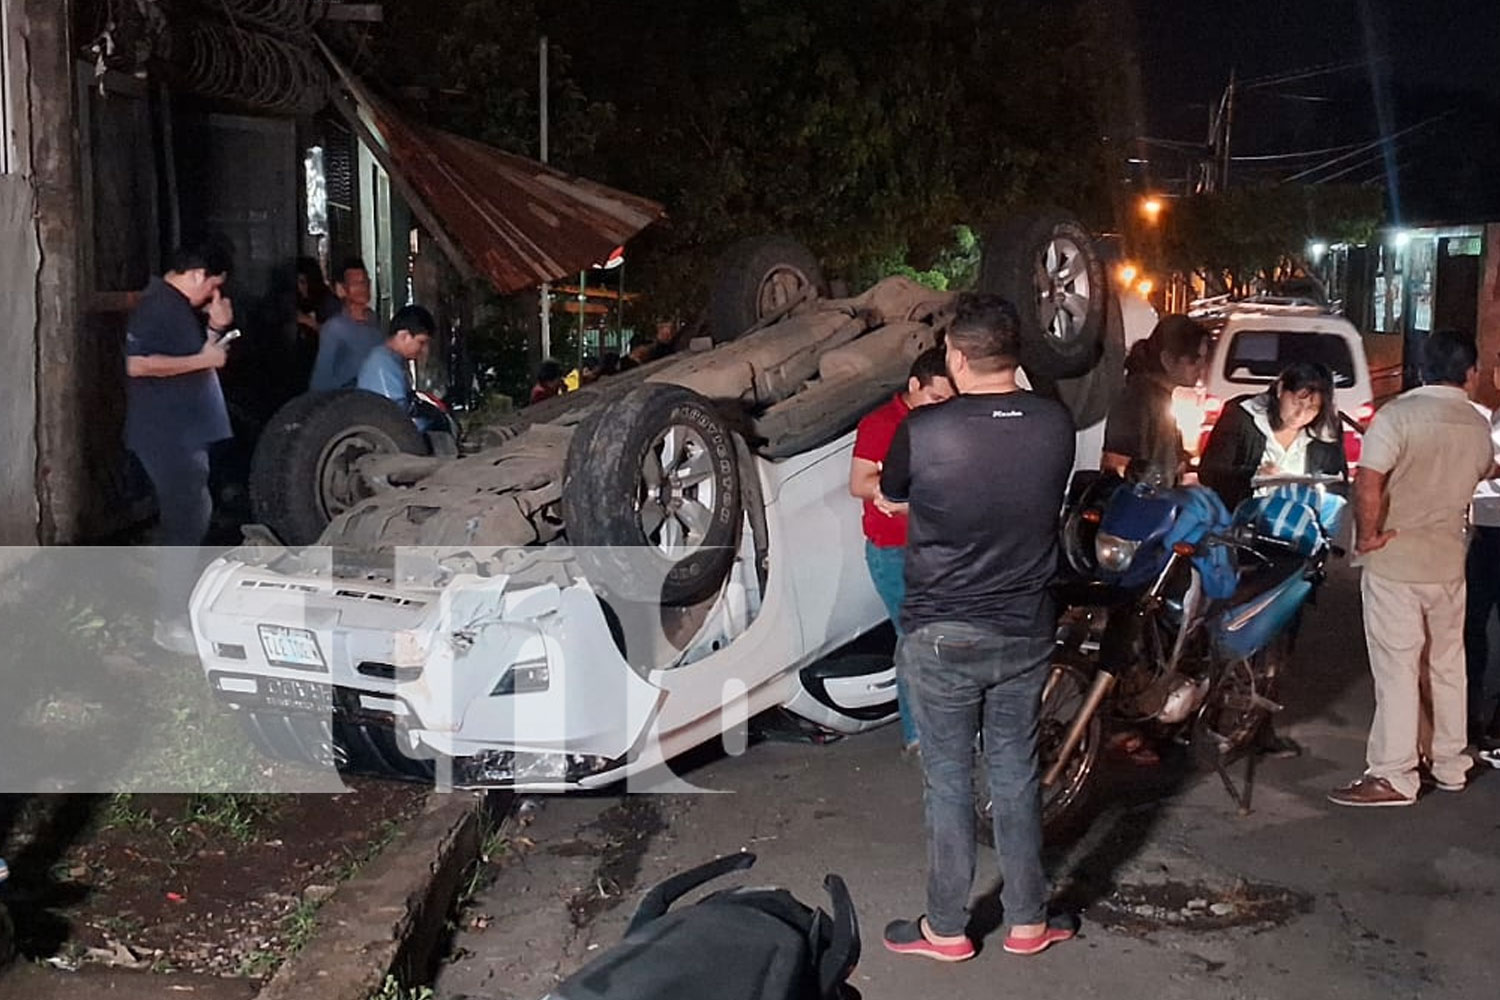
pixel 1440 55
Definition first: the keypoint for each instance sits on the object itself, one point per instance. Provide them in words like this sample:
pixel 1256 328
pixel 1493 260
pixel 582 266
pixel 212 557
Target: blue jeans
pixel 967 677
pixel 888 572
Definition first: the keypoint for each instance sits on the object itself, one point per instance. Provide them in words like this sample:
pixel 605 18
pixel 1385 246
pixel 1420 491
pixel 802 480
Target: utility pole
pixel 546 296
pixel 1228 126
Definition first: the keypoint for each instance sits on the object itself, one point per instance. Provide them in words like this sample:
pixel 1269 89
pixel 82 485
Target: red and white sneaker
pixel 906 937
pixel 1060 928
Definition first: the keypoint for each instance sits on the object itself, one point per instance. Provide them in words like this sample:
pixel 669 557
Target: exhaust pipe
pixel 1104 681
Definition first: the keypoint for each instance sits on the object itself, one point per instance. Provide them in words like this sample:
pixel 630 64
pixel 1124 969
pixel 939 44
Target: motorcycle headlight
pixel 1114 553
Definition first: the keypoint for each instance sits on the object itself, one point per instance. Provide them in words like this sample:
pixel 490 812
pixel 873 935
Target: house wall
pixel 1487 325
pixel 20 270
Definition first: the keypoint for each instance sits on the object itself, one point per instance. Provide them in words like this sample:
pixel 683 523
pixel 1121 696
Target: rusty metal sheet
pixel 510 219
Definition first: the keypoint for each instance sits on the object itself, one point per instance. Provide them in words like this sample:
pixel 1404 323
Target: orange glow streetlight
pixel 1151 207
pixel 1128 274
pixel 1146 286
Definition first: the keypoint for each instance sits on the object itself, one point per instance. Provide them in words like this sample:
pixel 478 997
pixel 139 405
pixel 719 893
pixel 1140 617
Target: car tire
pixel 639 536
pixel 1044 263
pixel 301 476
pixel 754 278
pixel 1090 396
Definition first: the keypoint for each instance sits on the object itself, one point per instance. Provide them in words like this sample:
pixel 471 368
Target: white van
pixel 1260 338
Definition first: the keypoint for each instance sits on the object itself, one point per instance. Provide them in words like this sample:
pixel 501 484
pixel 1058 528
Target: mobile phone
pixel 228 336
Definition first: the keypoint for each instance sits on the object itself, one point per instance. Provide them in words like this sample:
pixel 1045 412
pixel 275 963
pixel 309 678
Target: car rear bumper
pixel 471 684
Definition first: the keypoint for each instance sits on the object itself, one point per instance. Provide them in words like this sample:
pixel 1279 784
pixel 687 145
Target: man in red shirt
pixel 885 534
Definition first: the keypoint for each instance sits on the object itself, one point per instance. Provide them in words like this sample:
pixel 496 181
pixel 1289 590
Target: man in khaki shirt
pixel 1423 455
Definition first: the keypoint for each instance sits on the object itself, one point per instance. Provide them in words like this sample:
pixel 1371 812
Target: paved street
pixel 1182 898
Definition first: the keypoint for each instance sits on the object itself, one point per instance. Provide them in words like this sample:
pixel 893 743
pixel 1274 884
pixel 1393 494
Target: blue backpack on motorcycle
pixel 1300 515
pixel 1157 519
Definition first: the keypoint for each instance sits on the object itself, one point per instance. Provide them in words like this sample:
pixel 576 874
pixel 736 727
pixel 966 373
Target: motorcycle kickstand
pixel 1240 793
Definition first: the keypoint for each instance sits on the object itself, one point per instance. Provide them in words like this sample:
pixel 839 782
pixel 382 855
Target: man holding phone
pixel 175 411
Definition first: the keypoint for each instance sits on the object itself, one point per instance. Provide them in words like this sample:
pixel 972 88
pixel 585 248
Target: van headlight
pixel 1114 553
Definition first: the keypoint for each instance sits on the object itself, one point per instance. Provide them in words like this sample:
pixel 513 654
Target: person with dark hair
pixel 174 410
pixel 589 370
pixel 1140 430
pixel 665 343
pixel 348 338
pixel 386 370
pixel 1423 455
pixel 642 350
pixel 316 303
pixel 983 476
pixel 1291 429
pixel 550 381
pixel 885 534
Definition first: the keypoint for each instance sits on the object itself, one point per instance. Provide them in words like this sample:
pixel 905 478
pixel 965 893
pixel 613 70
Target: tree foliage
pixel 867 128
pixel 1234 238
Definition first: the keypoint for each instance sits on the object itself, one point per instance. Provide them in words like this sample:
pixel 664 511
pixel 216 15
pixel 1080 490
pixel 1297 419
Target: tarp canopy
pixel 503 217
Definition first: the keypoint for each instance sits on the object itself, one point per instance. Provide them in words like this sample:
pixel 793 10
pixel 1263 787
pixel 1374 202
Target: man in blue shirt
pixel 347 339
pixel 385 370
pixel 175 410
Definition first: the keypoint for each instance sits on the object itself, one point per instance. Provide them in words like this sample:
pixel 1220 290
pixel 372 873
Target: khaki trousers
pixel 1415 636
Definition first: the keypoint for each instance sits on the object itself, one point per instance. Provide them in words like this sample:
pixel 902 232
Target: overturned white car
pixel 626 572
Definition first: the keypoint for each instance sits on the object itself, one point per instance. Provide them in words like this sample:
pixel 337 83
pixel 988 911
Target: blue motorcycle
pixel 1183 618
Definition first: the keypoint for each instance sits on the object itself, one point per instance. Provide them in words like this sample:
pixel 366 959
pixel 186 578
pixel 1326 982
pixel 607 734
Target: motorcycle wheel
pixel 1064 802
pixel 1240 703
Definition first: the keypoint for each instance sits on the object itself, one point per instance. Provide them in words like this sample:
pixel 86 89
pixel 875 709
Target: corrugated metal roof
pixel 507 218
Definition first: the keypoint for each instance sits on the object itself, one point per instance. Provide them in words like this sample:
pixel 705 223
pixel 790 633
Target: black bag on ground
pixel 736 944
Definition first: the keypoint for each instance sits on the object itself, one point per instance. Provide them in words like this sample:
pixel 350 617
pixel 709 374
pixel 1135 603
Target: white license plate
pixel 290 647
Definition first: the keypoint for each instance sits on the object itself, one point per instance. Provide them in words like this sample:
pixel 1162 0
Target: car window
pixel 1256 357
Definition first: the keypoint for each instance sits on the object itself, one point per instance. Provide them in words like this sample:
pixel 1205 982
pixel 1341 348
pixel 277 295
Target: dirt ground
pixel 212 885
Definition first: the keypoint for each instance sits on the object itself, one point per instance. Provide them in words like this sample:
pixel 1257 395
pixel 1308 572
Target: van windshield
pixel 1256 357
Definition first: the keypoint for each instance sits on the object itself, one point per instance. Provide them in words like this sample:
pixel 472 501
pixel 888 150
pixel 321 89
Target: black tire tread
pixel 737 278
pixel 598 497
pixel 283 473
pixel 1006 269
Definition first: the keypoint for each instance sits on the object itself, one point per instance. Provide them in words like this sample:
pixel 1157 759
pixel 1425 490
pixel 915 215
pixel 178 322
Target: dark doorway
pixel 1457 298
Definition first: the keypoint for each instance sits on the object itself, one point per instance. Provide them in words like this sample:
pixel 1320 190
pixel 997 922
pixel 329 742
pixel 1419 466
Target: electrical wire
pixel 1375 144
pixel 248 66
pixel 288 18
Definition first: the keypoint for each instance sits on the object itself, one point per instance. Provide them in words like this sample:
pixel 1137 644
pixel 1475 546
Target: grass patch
pixel 393 990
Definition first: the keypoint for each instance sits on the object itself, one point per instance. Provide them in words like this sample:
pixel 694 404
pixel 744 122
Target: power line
pixel 1307 73
pixel 1366 147
pixel 1303 155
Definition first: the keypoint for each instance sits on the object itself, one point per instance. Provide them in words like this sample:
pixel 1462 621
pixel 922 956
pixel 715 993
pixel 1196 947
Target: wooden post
pixel 62 472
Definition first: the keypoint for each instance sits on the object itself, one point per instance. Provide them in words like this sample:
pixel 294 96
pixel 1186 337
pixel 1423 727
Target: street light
pixel 1151 207
pixel 1146 286
pixel 1128 273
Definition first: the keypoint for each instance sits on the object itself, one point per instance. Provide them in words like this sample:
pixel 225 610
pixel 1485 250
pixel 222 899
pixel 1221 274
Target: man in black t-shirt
pixel 983 478
pixel 174 410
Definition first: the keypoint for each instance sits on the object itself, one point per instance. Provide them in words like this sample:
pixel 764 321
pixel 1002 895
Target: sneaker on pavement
pixel 905 937
pixel 1059 928
pixel 1450 786
pixel 1368 791
pixel 174 637
pixel 1490 757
